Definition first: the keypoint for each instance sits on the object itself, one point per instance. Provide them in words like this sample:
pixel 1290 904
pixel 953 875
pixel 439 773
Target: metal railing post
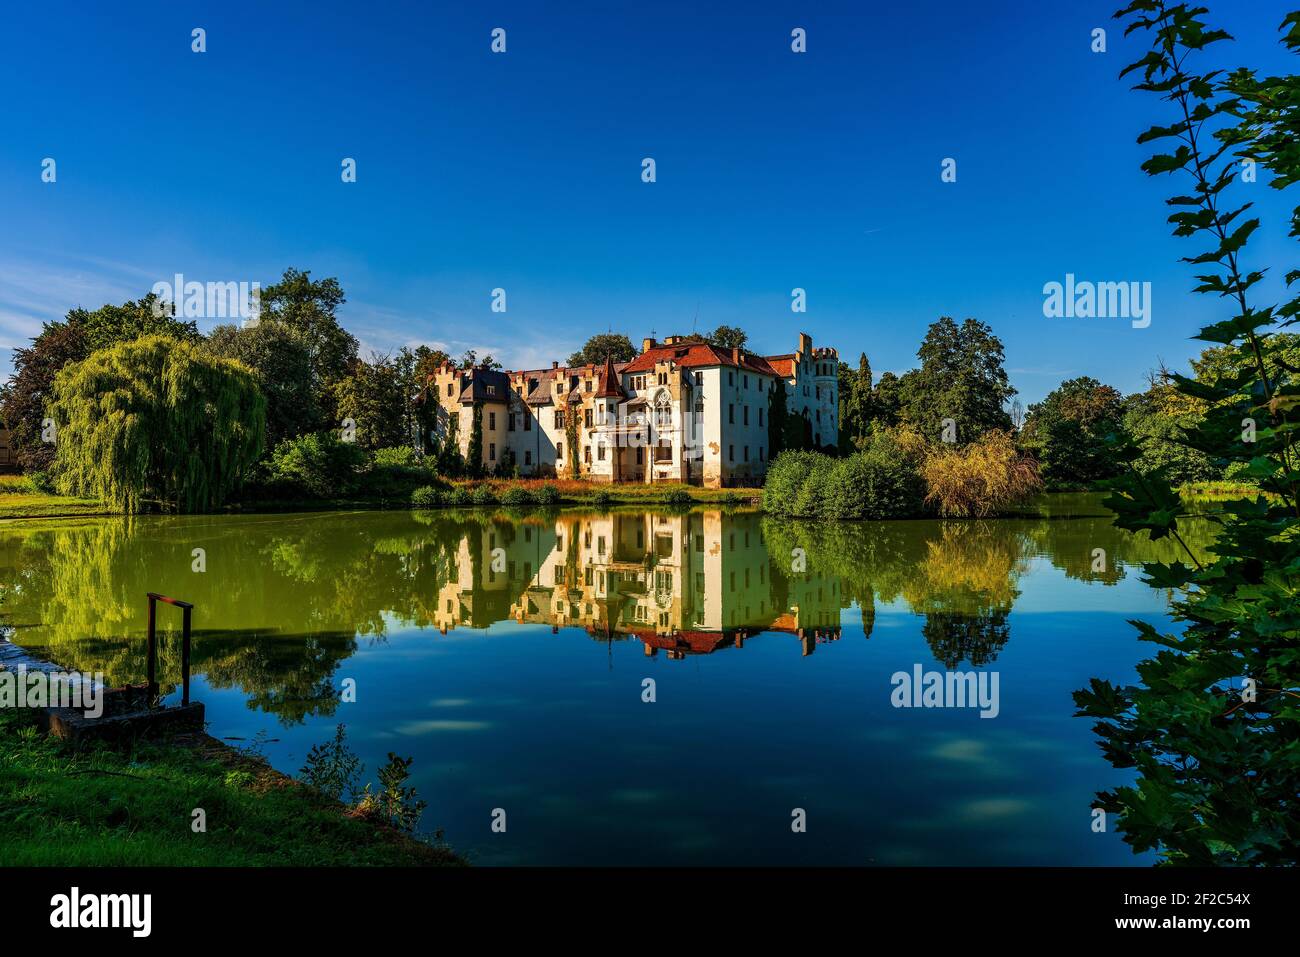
pixel 151 653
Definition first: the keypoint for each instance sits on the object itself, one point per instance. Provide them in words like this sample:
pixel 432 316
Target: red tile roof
pixel 690 355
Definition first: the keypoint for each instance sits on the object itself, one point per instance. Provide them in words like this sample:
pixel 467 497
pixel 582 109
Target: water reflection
pixel 286 599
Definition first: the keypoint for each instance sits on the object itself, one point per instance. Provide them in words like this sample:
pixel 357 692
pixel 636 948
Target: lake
pixel 508 655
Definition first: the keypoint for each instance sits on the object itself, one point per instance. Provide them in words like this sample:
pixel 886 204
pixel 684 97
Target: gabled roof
pixel 784 365
pixel 690 355
pixel 478 381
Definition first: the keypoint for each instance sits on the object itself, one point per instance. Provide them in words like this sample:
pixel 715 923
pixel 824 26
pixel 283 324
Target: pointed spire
pixel 609 387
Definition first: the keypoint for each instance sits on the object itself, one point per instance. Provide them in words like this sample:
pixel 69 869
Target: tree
pixel 474 451
pixel 310 308
pixel 108 325
pixel 728 337
pixel 29 392
pixel 777 413
pixel 1212 728
pixel 281 358
pixel 1067 433
pixel 887 400
pixel 961 378
pixel 612 344
pixel 27 395
pixel 470 360
pixel 1160 437
pixel 855 404
pixel 156 419
pixel 373 396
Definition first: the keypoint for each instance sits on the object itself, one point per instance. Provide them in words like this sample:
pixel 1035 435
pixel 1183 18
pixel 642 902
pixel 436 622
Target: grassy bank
pixel 18 501
pixel 98 806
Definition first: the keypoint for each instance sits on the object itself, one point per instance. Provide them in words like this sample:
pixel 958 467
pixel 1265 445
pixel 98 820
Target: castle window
pixel 559 420
pixel 492 421
pixel 492 451
pixel 528 421
pixel 559 451
pixel 510 422
pixel 745 409
pixel 528 456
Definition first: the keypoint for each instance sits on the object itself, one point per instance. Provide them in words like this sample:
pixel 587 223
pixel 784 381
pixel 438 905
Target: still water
pixel 508 656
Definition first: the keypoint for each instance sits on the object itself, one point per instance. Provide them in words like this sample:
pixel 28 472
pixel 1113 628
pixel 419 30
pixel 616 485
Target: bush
pixel 39 482
pixel 785 477
pixel 982 479
pixel 811 500
pixel 484 497
pixel 397 472
pixel 517 497
pixel 872 485
pixel 318 464
pixel 547 495
pixel 678 496
pixel 880 482
pixel 459 497
pixel 427 496
pixel 601 498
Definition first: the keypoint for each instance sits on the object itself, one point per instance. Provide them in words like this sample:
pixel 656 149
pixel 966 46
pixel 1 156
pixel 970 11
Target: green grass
pixel 26 504
pixel 98 806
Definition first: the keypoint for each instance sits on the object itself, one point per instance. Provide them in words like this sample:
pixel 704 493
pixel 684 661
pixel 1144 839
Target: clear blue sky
pixel 522 170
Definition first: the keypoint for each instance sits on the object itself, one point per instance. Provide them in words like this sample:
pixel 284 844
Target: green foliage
pixel 333 769
pixel 961 378
pixel 372 394
pixel 1159 436
pixel 876 483
pixel 483 496
pixel 40 483
pixel 1067 433
pixel 319 465
pixel 460 497
pixel 547 495
pixel 474 451
pixel 1213 730
pixel 27 396
pixel 397 801
pixel 428 496
pixel 598 347
pixel 785 477
pixel 601 498
pixel 516 496
pixel 309 307
pixel 281 358
pixel 856 411
pixel 156 419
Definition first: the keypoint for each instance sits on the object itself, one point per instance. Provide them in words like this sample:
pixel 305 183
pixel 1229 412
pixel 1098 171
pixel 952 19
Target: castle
pixel 683 410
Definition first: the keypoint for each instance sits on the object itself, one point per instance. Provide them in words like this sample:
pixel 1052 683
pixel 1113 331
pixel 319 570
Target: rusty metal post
pixel 185 656
pixel 151 654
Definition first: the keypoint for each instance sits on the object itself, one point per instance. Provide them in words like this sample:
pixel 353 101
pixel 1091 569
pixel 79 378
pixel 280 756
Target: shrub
pixel 811 501
pixel 678 496
pixel 397 472
pixel 427 496
pixel 39 482
pixel 318 464
pixel 333 769
pixel 459 497
pixel 483 496
pixel 601 498
pixel 785 477
pixel 982 479
pixel 547 495
pixel 874 484
pixel 517 497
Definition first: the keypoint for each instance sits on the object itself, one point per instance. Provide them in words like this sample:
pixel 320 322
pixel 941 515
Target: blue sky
pixel 522 170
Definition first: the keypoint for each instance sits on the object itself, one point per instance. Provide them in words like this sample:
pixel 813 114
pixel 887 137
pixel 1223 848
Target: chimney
pixel 555 363
pixel 805 343
pixel 735 355
pixel 647 344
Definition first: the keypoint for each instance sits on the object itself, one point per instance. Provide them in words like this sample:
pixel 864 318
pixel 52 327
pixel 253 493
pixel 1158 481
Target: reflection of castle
pixel 686 583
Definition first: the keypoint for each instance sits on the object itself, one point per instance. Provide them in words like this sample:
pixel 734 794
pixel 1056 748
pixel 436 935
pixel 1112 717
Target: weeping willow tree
pixel 155 419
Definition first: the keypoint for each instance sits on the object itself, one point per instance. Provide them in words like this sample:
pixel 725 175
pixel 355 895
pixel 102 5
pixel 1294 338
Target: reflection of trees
pixel 961 575
pixel 286 597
